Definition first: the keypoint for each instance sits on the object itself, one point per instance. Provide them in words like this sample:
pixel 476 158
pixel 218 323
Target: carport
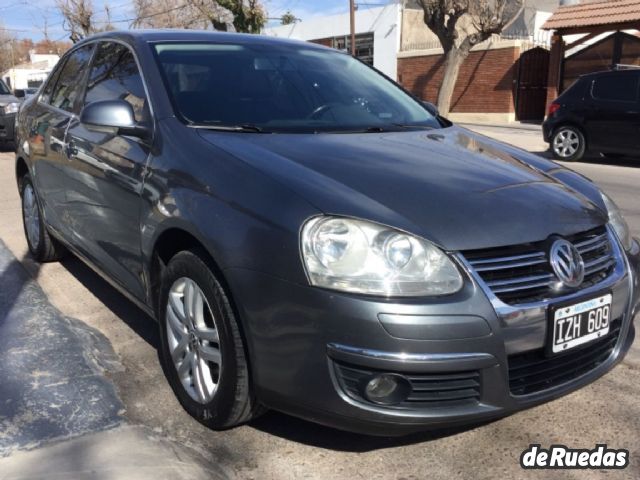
pixel 589 20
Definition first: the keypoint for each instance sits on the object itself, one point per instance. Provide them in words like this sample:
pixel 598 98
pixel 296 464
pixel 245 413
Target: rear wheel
pixel 42 246
pixel 202 351
pixel 568 144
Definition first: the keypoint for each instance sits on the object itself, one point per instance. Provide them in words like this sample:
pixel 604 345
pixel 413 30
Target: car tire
pixel 202 351
pixel 42 245
pixel 568 144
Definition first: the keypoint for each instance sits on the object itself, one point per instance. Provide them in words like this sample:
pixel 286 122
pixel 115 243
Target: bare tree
pixel 225 15
pixel 78 18
pixel 288 18
pixel 182 14
pixel 108 25
pixel 7 50
pixel 249 16
pixel 461 24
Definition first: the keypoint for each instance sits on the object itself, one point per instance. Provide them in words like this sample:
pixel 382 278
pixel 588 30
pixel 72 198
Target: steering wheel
pixel 320 110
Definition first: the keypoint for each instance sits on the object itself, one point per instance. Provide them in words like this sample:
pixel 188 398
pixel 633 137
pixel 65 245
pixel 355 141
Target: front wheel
pixel 202 351
pixel 568 144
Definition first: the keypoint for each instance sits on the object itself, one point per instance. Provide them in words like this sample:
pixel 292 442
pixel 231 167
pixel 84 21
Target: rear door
pixel 57 106
pixel 105 198
pixel 613 120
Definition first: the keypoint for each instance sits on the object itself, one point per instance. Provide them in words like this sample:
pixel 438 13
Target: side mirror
pixel 19 93
pixel 113 116
pixel 431 108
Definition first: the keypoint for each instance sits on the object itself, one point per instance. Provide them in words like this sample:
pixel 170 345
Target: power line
pixel 13 5
pixel 12 29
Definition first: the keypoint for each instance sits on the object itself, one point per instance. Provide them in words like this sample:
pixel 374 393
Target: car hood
pixel 5 99
pixel 458 189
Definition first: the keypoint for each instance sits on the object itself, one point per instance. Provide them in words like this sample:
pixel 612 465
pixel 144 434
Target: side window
pixel 51 82
pixel 616 88
pixel 69 85
pixel 114 75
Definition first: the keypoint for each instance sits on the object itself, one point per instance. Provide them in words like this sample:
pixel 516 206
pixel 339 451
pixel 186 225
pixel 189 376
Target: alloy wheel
pixel 566 143
pixel 193 340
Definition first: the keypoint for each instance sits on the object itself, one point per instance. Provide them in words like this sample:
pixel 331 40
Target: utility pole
pixel 352 13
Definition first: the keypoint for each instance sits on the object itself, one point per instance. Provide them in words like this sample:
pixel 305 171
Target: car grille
pixel 533 371
pixel 430 390
pixel 522 274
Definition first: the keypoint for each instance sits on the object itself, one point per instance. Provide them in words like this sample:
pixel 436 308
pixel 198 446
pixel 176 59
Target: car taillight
pixel 553 108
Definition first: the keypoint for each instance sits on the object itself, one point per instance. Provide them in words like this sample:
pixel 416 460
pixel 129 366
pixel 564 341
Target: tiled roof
pixel 594 14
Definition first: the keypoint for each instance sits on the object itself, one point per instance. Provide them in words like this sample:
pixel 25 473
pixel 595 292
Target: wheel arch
pixel 174 239
pixel 167 243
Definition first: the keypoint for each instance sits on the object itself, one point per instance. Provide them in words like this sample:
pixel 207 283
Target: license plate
pixel 579 323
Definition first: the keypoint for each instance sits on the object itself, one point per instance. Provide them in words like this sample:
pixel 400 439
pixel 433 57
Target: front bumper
pixel 7 127
pixel 301 338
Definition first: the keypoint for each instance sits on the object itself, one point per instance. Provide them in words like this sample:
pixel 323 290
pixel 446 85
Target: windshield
pixel 3 89
pixel 283 88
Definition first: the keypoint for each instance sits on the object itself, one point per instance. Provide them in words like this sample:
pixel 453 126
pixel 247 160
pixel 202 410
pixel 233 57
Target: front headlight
pixel 12 107
pixel 363 257
pixel 617 221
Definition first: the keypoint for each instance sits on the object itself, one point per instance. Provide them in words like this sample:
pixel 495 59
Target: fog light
pixel 387 389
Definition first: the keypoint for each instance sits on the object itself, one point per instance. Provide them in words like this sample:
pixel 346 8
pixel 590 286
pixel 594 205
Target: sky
pixel 26 19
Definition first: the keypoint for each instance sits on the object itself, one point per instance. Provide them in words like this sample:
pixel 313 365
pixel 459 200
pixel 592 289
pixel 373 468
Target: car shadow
pixel 141 323
pixel 315 435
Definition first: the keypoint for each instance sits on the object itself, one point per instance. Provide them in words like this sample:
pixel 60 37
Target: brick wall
pixel 485 85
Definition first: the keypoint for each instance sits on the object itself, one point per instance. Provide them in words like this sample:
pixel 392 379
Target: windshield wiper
pixel 230 128
pixel 406 125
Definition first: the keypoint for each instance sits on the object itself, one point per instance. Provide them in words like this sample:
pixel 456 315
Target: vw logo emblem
pixel 566 263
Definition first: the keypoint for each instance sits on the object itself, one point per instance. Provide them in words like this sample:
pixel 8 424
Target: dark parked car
pixel 312 239
pixel 600 112
pixel 9 106
pixel 25 92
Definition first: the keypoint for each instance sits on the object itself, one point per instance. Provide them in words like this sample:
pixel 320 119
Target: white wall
pixel 384 22
pixel 51 59
pixel 19 78
pixel 36 71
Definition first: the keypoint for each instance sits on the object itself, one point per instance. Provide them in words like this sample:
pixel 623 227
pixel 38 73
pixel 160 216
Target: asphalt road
pixel 281 447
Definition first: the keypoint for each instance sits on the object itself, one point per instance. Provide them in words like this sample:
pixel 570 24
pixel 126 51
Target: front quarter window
pixel 115 76
pixel 68 85
pixel 283 88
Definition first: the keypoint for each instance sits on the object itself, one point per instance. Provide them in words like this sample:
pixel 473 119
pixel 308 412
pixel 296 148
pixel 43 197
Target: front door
pixel 613 114
pixel 109 171
pixel 46 141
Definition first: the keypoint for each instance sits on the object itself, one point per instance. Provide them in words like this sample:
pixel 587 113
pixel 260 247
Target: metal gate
pixel 531 88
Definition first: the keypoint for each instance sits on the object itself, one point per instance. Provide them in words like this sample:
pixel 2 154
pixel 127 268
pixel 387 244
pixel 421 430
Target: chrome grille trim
pixel 527 277
pixel 582 246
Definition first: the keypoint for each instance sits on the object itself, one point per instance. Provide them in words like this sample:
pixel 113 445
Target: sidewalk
pixel 60 414
pixel 122 453
pixel 523 135
pixel 533 127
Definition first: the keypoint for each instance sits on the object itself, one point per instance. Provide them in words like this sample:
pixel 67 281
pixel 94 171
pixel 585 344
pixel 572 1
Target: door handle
pixel 71 150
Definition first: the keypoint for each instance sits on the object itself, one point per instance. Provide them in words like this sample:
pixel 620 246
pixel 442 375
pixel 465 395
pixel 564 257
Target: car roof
pixel 174 34
pixel 626 71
